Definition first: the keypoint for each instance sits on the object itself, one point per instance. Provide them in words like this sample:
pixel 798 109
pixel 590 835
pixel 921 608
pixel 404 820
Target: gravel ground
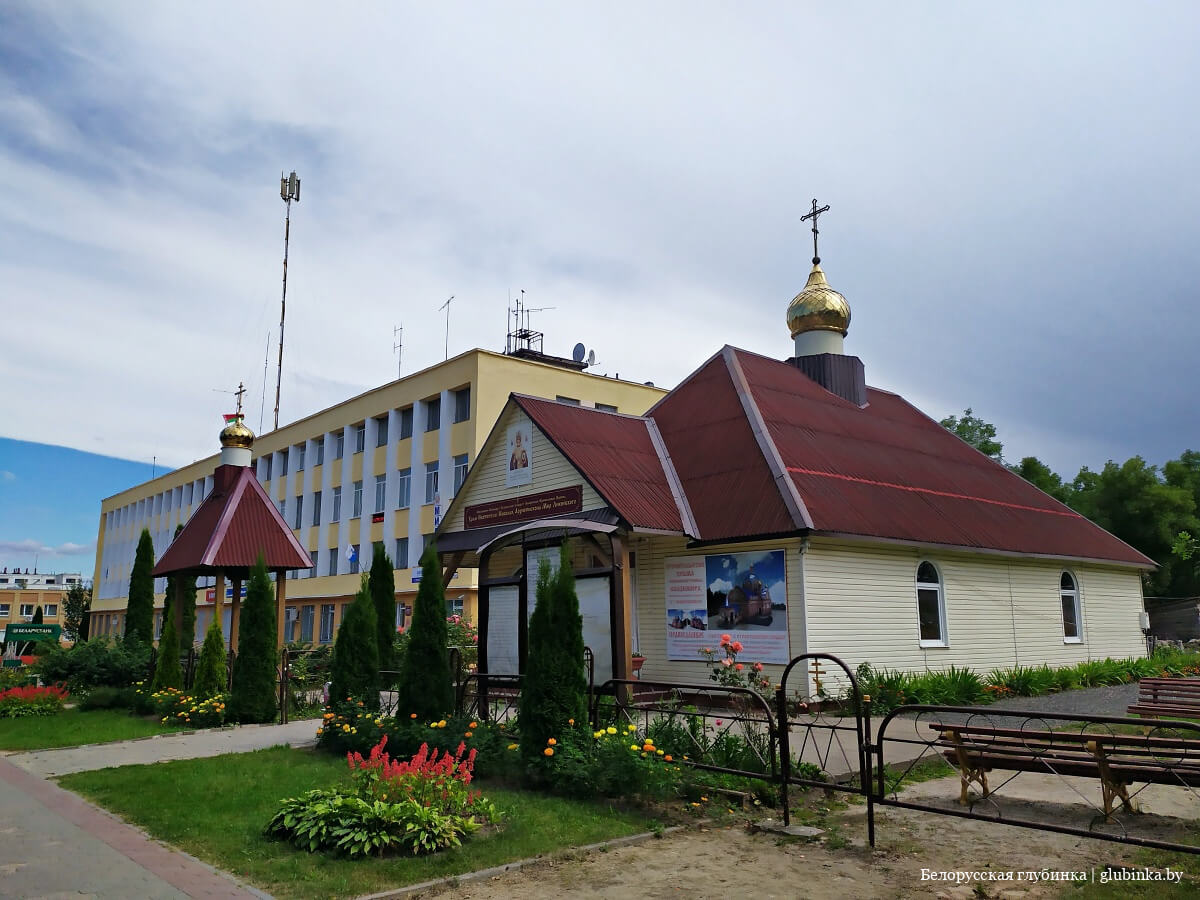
pixel 1099 701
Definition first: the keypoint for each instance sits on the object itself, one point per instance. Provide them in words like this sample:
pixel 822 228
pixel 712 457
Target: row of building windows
pixel 49 610
pixel 403 498
pixel 931 607
pixel 433 421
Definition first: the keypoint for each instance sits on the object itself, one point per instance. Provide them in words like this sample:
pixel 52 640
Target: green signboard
pixel 27 632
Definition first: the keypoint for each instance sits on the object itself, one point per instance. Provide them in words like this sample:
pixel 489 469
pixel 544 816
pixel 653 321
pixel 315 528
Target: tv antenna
pixel 446 307
pixel 522 337
pixel 398 346
pixel 289 190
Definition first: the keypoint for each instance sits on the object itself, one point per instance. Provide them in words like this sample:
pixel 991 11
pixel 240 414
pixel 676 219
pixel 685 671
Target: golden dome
pixel 818 307
pixel 236 434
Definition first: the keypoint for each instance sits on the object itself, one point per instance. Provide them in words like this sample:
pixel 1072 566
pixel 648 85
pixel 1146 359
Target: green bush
pixel 382 583
pixel 355 668
pixel 98 662
pixel 424 688
pixel 254 688
pixel 609 763
pixel 139 617
pixel 107 698
pixel 176 707
pixel 212 673
pixel 554 689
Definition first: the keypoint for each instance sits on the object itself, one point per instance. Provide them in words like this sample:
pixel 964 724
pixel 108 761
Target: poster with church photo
pixel 520 454
pixel 742 594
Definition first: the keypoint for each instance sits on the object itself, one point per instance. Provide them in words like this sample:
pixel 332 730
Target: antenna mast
pixel 289 190
pixel 398 347
pixel 446 307
pixel 262 408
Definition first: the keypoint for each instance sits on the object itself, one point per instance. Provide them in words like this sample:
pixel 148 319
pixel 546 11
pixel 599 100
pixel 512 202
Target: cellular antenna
pixel 398 346
pixel 446 307
pixel 289 190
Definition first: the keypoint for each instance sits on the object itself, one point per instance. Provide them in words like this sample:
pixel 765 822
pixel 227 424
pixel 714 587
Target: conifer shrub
pixel 554 690
pixel 383 595
pixel 253 695
pixel 167 672
pixel 424 688
pixel 355 670
pixel 139 617
pixel 187 629
pixel 211 671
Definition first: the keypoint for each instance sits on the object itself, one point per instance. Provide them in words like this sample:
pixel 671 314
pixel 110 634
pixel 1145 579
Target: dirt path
pixel 724 861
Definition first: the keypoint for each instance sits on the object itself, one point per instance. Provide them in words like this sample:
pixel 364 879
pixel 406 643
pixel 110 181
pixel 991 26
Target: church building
pixel 787 503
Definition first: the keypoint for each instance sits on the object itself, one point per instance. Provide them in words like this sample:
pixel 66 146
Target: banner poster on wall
pixel 520 454
pixel 743 595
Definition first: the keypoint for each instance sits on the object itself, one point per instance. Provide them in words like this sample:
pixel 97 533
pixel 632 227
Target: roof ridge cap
pixel 673 481
pixel 786 487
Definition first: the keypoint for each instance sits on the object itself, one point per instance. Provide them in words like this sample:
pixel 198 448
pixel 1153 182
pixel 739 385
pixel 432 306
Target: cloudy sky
pixel 1013 197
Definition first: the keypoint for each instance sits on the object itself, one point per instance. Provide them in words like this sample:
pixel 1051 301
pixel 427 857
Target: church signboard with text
pixel 524 509
pixel 741 594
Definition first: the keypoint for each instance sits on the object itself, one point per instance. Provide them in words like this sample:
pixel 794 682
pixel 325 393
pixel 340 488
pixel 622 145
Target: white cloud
pixel 30 546
pixel 720 585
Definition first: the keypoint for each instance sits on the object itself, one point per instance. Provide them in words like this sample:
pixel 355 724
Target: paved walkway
pixel 53 844
pixel 164 747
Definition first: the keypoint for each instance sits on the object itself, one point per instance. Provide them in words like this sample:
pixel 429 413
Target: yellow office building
pixel 376 469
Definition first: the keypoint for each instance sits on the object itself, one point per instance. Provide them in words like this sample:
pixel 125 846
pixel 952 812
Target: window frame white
pixel 50 610
pixel 380 493
pixel 404 483
pixel 1072 594
pixel 431 482
pixel 940 587
pixel 357 497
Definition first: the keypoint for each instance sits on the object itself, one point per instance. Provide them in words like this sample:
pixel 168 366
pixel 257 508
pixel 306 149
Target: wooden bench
pixel 1173 698
pixel 1116 760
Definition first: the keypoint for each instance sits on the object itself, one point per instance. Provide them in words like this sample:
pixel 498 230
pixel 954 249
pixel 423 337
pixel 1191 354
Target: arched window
pixel 1068 593
pixel 931 606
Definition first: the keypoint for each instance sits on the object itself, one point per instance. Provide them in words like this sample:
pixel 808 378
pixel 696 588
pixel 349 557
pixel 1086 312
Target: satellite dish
pixel 591 360
pixel 577 353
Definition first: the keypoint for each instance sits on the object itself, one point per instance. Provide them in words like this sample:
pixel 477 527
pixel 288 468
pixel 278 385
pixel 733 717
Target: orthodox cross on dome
pixel 242 388
pixel 813 215
pixel 237 416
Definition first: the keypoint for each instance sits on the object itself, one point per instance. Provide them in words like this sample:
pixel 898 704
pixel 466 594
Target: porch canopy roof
pixel 472 542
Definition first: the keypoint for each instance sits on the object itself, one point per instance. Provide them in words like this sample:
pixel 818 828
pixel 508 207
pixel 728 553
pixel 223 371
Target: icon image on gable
pixel 520 454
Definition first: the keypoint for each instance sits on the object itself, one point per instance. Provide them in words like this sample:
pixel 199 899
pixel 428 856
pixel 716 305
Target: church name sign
pixel 522 509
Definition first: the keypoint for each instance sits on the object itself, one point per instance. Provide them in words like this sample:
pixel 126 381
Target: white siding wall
pixel 862 606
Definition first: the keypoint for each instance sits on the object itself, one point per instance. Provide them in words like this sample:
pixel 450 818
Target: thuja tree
pixel 139 617
pixel 187 628
pixel 383 595
pixel 211 672
pixel 167 672
pixel 554 689
pixel 355 668
pixel 253 694
pixel 425 687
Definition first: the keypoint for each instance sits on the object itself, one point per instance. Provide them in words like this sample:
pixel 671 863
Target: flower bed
pixel 18 702
pixel 176 707
pixel 420 806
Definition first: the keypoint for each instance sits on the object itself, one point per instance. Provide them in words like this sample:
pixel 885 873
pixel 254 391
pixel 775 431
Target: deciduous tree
pixel 979 434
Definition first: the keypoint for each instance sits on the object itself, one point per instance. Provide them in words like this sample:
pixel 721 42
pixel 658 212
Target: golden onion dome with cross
pixel 818 307
pixel 236 434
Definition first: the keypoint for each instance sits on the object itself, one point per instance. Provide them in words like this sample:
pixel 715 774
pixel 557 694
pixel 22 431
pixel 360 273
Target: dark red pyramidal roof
pixel 234 525
pixel 750 446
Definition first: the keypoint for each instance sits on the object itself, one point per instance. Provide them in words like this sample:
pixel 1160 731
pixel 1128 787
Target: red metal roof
pixel 234 525
pixel 616 454
pixel 758 448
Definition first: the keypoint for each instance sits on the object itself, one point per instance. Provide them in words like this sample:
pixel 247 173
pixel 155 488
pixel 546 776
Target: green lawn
pixel 72 727
pixel 216 808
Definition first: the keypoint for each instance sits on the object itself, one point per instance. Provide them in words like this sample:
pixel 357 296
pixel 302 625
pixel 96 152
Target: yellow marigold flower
pixel 703 799
pixel 412 715
pixel 549 751
pixel 611 730
pixel 354 731
pixel 512 746
pixel 345 728
pixel 441 724
pixel 472 725
pixel 597 734
pixel 648 747
pixel 551 741
pixel 660 753
pixel 667 758
pixel 633 746
pixel 570 721
pixel 467 733
pixel 631 727
pixel 320 731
